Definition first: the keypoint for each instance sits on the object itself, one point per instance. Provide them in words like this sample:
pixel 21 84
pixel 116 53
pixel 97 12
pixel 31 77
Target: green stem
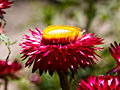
pixel 90 12
pixel 4 23
pixel 6 84
pixel 63 81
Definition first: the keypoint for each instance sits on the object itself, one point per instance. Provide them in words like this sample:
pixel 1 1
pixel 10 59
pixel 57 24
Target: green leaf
pixel 5 39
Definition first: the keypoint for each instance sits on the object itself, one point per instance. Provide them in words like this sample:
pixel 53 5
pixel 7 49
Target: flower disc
pixel 60 34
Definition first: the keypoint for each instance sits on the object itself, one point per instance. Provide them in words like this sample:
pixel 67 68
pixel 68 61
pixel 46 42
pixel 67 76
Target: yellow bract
pixel 61 31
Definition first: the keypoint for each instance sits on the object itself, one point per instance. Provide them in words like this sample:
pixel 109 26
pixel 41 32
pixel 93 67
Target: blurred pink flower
pixel 115 52
pixel 60 48
pixel 35 78
pixel 100 83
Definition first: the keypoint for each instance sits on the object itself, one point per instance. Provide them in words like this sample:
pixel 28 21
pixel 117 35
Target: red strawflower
pixel 3 5
pixel 115 52
pixel 100 83
pixel 60 48
pixel 8 68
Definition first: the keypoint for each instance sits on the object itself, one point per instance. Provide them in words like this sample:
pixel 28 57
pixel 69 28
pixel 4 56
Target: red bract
pixel 100 83
pixel 8 68
pixel 115 52
pixel 60 54
pixel 4 4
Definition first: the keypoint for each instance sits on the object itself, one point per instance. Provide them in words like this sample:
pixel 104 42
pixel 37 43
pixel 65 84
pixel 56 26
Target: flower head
pixel 8 68
pixel 100 83
pixel 60 48
pixel 3 5
pixel 115 52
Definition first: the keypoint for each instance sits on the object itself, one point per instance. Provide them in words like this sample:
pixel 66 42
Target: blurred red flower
pixel 100 83
pixel 60 48
pixel 8 68
pixel 115 52
pixel 3 5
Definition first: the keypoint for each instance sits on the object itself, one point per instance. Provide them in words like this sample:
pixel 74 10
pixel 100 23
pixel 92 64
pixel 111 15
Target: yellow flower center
pixel 61 32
